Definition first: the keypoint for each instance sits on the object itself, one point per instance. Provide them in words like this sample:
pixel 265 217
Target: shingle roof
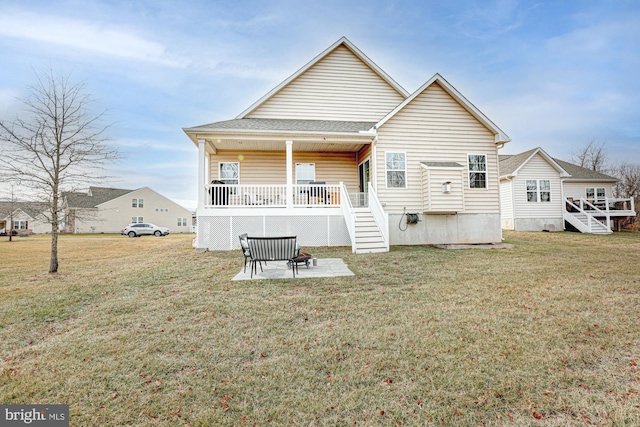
pixel 443 164
pixel 509 163
pixel 96 196
pixel 288 125
pixel 578 173
pixel 30 208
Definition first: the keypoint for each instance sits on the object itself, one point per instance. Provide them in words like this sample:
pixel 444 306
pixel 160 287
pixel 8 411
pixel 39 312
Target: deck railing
pixel 271 195
pixel 349 216
pixel 379 215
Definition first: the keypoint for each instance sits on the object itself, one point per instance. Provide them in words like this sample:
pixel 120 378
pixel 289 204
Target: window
pixel 137 203
pixel 137 220
pixel 396 169
pixel 182 222
pixel 305 173
pixel 19 224
pixel 538 190
pixel 477 171
pixel 596 193
pixel 230 173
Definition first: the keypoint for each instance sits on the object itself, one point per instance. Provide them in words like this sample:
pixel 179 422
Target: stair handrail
pixel 379 215
pixel 588 214
pixel 349 215
pixel 601 212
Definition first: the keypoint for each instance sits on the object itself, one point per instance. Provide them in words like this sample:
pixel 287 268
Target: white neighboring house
pixel 538 192
pixel 109 210
pixel 27 217
pixel 339 153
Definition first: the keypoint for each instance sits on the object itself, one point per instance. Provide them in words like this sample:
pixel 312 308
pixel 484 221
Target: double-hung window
pixel 230 172
pixel 137 203
pixel 305 173
pixel 477 170
pixel 137 220
pixel 595 193
pixel 19 224
pixel 396 169
pixel 538 190
pixel 182 222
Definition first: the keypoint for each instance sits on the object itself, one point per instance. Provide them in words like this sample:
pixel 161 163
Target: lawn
pixel 146 332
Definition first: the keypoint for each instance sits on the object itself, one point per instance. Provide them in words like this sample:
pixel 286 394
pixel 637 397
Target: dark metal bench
pixel 272 249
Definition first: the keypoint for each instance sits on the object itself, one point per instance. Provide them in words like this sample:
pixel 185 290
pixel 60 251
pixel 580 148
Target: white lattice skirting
pixel 220 233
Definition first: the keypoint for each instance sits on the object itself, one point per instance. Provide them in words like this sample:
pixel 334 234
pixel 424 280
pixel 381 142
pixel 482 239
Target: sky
pixel 551 74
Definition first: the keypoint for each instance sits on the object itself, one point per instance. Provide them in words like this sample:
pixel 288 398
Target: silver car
pixel 136 230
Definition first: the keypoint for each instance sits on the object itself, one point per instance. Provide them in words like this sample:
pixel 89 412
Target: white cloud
pixel 88 36
pixel 8 102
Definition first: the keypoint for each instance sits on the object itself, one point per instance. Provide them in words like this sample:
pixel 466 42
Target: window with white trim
pixel 595 193
pixel 396 169
pixel 137 220
pixel 538 190
pixel 137 203
pixel 182 222
pixel 305 173
pixel 230 172
pixel 477 165
pixel 19 224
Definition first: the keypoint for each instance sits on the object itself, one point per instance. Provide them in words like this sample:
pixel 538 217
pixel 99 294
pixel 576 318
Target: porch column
pixel 289 156
pixel 202 174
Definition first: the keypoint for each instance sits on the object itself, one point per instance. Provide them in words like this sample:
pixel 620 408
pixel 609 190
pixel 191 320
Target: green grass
pixel 146 332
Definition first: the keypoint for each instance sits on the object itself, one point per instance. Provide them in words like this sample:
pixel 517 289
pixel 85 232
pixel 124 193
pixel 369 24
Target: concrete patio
pixel 327 267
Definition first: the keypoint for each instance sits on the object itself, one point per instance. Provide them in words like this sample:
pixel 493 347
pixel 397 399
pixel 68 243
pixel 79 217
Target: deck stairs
pixel 368 235
pixel 585 223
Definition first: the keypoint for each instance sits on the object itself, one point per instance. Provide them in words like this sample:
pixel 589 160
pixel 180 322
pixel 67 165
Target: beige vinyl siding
pixel 435 128
pixel 269 167
pixel 338 87
pixel 434 200
pixel 114 215
pixel 506 203
pixel 577 190
pixel 537 168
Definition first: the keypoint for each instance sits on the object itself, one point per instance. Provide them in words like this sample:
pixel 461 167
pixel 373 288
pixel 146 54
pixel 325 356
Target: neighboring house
pixel 538 192
pixel 109 210
pixel 339 153
pixel 28 217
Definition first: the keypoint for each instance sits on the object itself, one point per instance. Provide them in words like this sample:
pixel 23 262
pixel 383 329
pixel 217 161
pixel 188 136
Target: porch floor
pixel 327 267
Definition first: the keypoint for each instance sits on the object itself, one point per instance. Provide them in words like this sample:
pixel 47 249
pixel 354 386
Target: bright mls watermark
pixel 34 415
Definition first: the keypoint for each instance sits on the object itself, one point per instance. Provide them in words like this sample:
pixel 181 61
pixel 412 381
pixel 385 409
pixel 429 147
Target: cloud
pixel 8 102
pixel 94 37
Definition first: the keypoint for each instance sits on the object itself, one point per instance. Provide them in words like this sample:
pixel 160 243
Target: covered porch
pixel 267 177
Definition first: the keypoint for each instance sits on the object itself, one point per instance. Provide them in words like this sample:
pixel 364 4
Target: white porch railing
pixel 271 195
pixel 381 217
pixel 584 213
pixel 349 216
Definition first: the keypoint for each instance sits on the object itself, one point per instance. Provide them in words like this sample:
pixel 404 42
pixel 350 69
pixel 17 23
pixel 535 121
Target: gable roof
pixel 500 136
pixel 95 197
pixel 511 165
pixel 32 209
pixel 343 41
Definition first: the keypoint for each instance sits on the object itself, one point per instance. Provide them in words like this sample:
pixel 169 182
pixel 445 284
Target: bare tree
pixel 592 156
pixel 58 144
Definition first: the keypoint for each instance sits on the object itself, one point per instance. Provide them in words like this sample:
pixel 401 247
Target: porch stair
pixel 580 221
pixel 368 236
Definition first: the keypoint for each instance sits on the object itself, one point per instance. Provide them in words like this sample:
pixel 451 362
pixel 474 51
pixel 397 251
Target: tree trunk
pixel 53 264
